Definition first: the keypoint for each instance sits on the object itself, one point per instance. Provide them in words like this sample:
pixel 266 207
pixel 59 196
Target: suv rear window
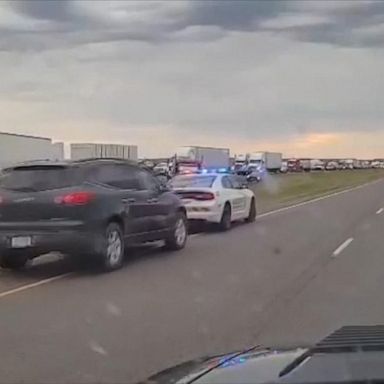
pixel 39 178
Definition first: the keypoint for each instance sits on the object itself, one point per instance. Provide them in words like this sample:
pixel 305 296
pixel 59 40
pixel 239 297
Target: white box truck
pixel 357 164
pixel 305 164
pixel 92 150
pixel 15 148
pixel 270 161
pixel 192 158
pixel 58 151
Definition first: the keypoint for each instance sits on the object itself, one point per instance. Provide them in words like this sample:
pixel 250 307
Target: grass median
pixel 277 191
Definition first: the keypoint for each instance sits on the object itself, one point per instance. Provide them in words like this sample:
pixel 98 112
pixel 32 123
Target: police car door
pixel 240 198
pixel 236 196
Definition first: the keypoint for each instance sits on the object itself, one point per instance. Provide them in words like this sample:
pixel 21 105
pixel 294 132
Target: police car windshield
pixel 193 181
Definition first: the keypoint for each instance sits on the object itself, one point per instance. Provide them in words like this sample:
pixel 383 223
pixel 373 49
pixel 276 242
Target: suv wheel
pixel 178 236
pixel 113 253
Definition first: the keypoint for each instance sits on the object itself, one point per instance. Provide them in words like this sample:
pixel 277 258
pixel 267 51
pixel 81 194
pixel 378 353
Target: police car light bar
pixel 213 170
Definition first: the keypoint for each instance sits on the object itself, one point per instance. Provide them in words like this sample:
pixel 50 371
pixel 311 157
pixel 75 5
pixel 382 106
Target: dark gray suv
pixel 92 207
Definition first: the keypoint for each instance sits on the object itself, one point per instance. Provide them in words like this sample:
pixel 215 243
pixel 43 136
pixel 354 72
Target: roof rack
pixel 37 163
pixel 117 159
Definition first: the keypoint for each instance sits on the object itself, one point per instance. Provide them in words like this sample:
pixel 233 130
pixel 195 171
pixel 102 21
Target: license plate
pixel 21 241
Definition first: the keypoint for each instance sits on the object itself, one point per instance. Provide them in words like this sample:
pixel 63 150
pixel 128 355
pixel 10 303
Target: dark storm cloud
pixel 56 10
pixel 240 15
pixel 74 22
pixel 344 26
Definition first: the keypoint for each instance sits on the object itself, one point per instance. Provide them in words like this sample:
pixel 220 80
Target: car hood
pixel 238 367
pixel 349 354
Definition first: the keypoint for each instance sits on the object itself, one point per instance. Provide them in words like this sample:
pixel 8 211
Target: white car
pixel 161 167
pixel 215 198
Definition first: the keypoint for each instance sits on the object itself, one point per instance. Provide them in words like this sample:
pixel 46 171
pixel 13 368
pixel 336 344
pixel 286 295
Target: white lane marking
pixel 96 347
pixel 33 285
pixel 341 248
pixel 379 211
pixel 316 199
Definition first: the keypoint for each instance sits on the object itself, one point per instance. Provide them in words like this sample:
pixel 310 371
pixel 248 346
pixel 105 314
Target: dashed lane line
pixel 379 211
pixel 341 248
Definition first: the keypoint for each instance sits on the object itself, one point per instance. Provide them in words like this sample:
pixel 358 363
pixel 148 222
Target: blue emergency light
pixel 213 170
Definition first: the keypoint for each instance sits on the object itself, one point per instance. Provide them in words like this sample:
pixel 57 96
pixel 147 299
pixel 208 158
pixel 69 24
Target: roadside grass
pixel 277 191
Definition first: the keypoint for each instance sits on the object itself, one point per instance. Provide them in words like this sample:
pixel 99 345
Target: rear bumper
pixel 65 239
pixel 208 213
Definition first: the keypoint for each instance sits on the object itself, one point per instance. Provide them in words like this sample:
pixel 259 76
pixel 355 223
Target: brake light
pixel 204 196
pixel 75 198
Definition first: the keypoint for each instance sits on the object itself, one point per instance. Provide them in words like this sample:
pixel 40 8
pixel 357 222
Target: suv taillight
pixel 75 198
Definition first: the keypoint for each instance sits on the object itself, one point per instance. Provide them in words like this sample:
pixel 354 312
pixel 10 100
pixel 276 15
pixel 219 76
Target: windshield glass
pixel 38 178
pixel 231 183
pixel 192 181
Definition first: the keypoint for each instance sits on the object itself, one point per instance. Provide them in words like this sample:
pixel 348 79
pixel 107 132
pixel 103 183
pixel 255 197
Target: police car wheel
pixel 252 212
pixel 225 222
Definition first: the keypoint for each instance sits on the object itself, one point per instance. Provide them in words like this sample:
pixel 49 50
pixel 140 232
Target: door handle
pixel 128 200
pixel 153 200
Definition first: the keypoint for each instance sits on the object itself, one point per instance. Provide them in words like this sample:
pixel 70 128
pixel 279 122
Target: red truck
pixel 294 165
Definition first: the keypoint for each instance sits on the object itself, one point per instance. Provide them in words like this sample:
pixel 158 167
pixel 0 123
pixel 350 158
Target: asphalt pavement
pixel 287 280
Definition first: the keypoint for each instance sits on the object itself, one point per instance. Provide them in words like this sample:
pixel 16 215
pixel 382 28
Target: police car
pixel 215 197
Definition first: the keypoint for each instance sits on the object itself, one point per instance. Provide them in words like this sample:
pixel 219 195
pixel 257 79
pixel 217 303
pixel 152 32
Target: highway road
pixel 288 279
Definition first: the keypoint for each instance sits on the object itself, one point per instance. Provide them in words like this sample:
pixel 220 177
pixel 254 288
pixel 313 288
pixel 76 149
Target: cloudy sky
pixel 303 77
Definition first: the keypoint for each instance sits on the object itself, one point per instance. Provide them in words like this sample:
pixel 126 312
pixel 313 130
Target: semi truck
pixel 58 151
pixel 92 150
pixel 269 161
pixel 16 148
pixel 305 165
pixel 241 160
pixel 294 165
pixel 346 164
pixel 192 158
pixel 356 164
pixel 332 165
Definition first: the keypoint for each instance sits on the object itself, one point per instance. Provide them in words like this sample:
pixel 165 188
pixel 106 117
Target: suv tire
pixel 179 233
pixel 112 256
